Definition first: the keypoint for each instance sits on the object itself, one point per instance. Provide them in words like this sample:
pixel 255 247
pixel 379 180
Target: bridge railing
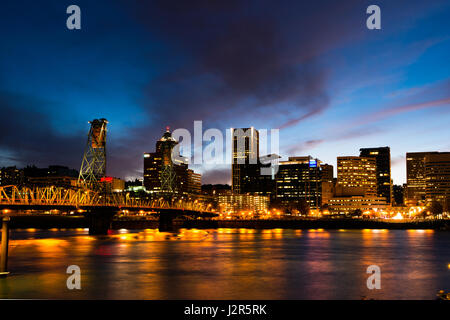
pixel 14 195
pixel 47 196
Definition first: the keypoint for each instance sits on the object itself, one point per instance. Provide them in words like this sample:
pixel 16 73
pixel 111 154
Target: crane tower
pixel 93 166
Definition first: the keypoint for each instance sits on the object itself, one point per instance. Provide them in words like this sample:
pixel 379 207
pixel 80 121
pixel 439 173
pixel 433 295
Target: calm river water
pixel 228 264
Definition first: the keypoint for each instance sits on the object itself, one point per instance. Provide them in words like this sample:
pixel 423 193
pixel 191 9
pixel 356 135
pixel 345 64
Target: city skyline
pixel 285 158
pixel 302 184
pixel 332 88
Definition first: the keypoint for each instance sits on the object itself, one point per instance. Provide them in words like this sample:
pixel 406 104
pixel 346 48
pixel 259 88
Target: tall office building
pixel 194 182
pixel 328 183
pixel 415 177
pixel 382 156
pixel 162 175
pixel 356 188
pixel 437 178
pixel 244 165
pixel 357 173
pixel 299 180
pixel 246 177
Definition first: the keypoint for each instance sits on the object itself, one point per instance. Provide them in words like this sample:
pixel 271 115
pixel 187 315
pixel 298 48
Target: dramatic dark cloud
pixel 29 133
pixel 253 59
pixel 244 56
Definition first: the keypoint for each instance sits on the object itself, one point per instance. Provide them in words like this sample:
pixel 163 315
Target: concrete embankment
pixel 318 224
pixel 68 222
pixel 289 224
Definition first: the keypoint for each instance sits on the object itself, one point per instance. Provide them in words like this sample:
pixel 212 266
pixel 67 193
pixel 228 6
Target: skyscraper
pixel 244 165
pixel 382 156
pixel 357 173
pixel 356 188
pixel 161 174
pixel 299 182
pixel 415 177
pixel 328 182
pixel 437 177
pixel 152 168
pixel 194 182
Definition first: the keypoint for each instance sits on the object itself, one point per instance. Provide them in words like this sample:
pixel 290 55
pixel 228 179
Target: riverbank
pixel 317 224
pixel 69 222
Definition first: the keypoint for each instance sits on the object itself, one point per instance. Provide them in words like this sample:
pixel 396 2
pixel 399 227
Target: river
pixel 228 264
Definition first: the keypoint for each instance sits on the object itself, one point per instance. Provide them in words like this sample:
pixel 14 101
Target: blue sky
pixel 312 69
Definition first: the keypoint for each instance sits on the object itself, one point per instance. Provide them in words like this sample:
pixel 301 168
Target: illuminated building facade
pixel 235 203
pixel 328 183
pixel 328 190
pixel 246 177
pixel 349 204
pixel 357 172
pixel 152 169
pixel 437 177
pixel 194 182
pixel 113 184
pixel 298 181
pixel 415 177
pixel 244 165
pixel 356 187
pixel 382 157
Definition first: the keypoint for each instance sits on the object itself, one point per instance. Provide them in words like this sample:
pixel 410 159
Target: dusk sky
pixel 310 68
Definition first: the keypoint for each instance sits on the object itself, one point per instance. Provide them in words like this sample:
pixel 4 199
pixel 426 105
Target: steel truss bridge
pixel 48 198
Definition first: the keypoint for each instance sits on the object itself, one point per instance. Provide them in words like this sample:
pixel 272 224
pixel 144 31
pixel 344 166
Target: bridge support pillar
pixel 5 242
pixel 166 221
pixel 99 221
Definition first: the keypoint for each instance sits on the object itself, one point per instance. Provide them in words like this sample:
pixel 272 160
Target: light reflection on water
pixel 228 264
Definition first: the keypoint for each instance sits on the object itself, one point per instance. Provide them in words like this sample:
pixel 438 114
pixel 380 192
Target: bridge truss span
pixel 12 196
